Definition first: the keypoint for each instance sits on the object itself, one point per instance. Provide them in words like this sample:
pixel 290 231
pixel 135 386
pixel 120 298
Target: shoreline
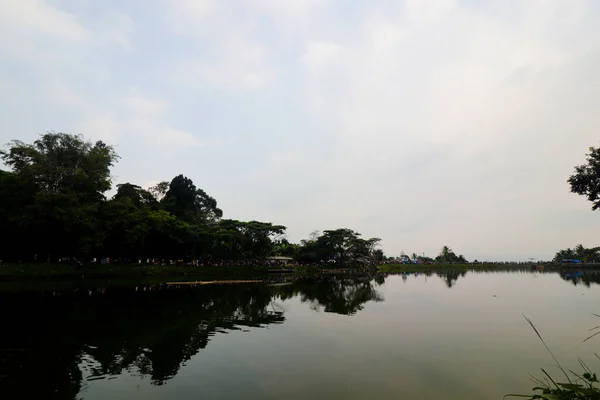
pixel 18 277
pixel 52 271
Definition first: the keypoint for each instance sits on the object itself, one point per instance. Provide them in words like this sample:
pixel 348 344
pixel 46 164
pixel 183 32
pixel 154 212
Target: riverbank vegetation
pixel 16 271
pixel 53 208
pixel 401 268
pixel 574 386
pixel 57 221
pixel 579 253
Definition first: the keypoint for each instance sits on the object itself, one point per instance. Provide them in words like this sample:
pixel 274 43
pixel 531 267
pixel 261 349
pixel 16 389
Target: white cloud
pixel 429 10
pixel 241 65
pixel 292 18
pixel 143 105
pixel 37 16
pixel 140 119
pixel 320 55
pixel 193 16
pixel 60 93
pixel 230 57
pixel 290 9
pixel 32 30
pixel 101 126
pixel 116 28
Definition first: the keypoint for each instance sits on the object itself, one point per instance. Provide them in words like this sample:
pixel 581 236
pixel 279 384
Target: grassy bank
pixel 400 268
pixel 42 271
pixel 98 271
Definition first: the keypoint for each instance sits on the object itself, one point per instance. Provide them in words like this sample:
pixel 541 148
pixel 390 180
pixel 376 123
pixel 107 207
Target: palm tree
pixel 445 254
pixel 580 252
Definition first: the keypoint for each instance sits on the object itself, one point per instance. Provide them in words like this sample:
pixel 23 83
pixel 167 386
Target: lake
pixel 442 336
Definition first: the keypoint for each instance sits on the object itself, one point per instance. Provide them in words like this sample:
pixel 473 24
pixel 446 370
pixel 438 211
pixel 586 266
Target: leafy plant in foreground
pixel 577 387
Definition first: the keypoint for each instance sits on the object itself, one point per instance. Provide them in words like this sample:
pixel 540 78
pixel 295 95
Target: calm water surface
pixel 457 336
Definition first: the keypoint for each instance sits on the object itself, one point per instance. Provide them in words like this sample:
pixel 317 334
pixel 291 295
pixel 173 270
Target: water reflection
pixel 151 331
pixel 449 277
pixel 61 339
pixel 574 276
pixel 53 343
pixel 580 277
pixel 344 296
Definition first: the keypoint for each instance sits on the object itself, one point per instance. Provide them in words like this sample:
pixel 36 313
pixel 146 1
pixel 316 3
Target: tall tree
pixel 70 176
pixel 586 179
pixel 578 253
pixel 180 199
pixel 252 240
pixel 61 163
pixel 136 194
pixel 312 250
pixel 189 203
pixel 259 237
pixel 448 256
pixel 16 200
pixel 159 190
pixel 342 242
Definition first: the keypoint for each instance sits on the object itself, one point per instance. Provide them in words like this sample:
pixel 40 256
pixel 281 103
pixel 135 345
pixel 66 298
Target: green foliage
pixel 585 389
pixel 340 243
pixel 235 240
pixel 583 386
pixel 448 256
pixel 342 246
pixel 53 205
pixel 63 164
pixel 62 179
pixel 190 204
pixel 586 179
pixel 136 194
pixel 578 253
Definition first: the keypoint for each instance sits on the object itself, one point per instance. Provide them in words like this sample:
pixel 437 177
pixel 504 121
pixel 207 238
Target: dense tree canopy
pixel 448 256
pixel 586 179
pixel 62 180
pixel 585 182
pixel 580 253
pixel 53 205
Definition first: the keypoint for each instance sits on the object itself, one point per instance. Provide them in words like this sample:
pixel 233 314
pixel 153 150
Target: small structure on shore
pixel 279 260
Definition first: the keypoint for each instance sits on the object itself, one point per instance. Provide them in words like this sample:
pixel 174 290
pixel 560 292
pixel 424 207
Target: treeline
pixel 53 205
pixel 581 253
pixel 446 256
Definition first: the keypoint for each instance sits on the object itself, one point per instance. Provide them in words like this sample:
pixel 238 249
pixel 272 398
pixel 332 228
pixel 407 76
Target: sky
pixel 421 122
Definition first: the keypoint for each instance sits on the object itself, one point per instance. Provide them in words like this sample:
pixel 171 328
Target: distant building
pixel 404 259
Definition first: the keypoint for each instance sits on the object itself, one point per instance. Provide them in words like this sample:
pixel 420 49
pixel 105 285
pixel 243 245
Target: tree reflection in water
pixel 150 329
pixel 337 295
pixel 450 277
pixel 578 277
pixel 53 342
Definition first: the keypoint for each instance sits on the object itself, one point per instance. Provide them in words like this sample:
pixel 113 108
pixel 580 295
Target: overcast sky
pixel 423 122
